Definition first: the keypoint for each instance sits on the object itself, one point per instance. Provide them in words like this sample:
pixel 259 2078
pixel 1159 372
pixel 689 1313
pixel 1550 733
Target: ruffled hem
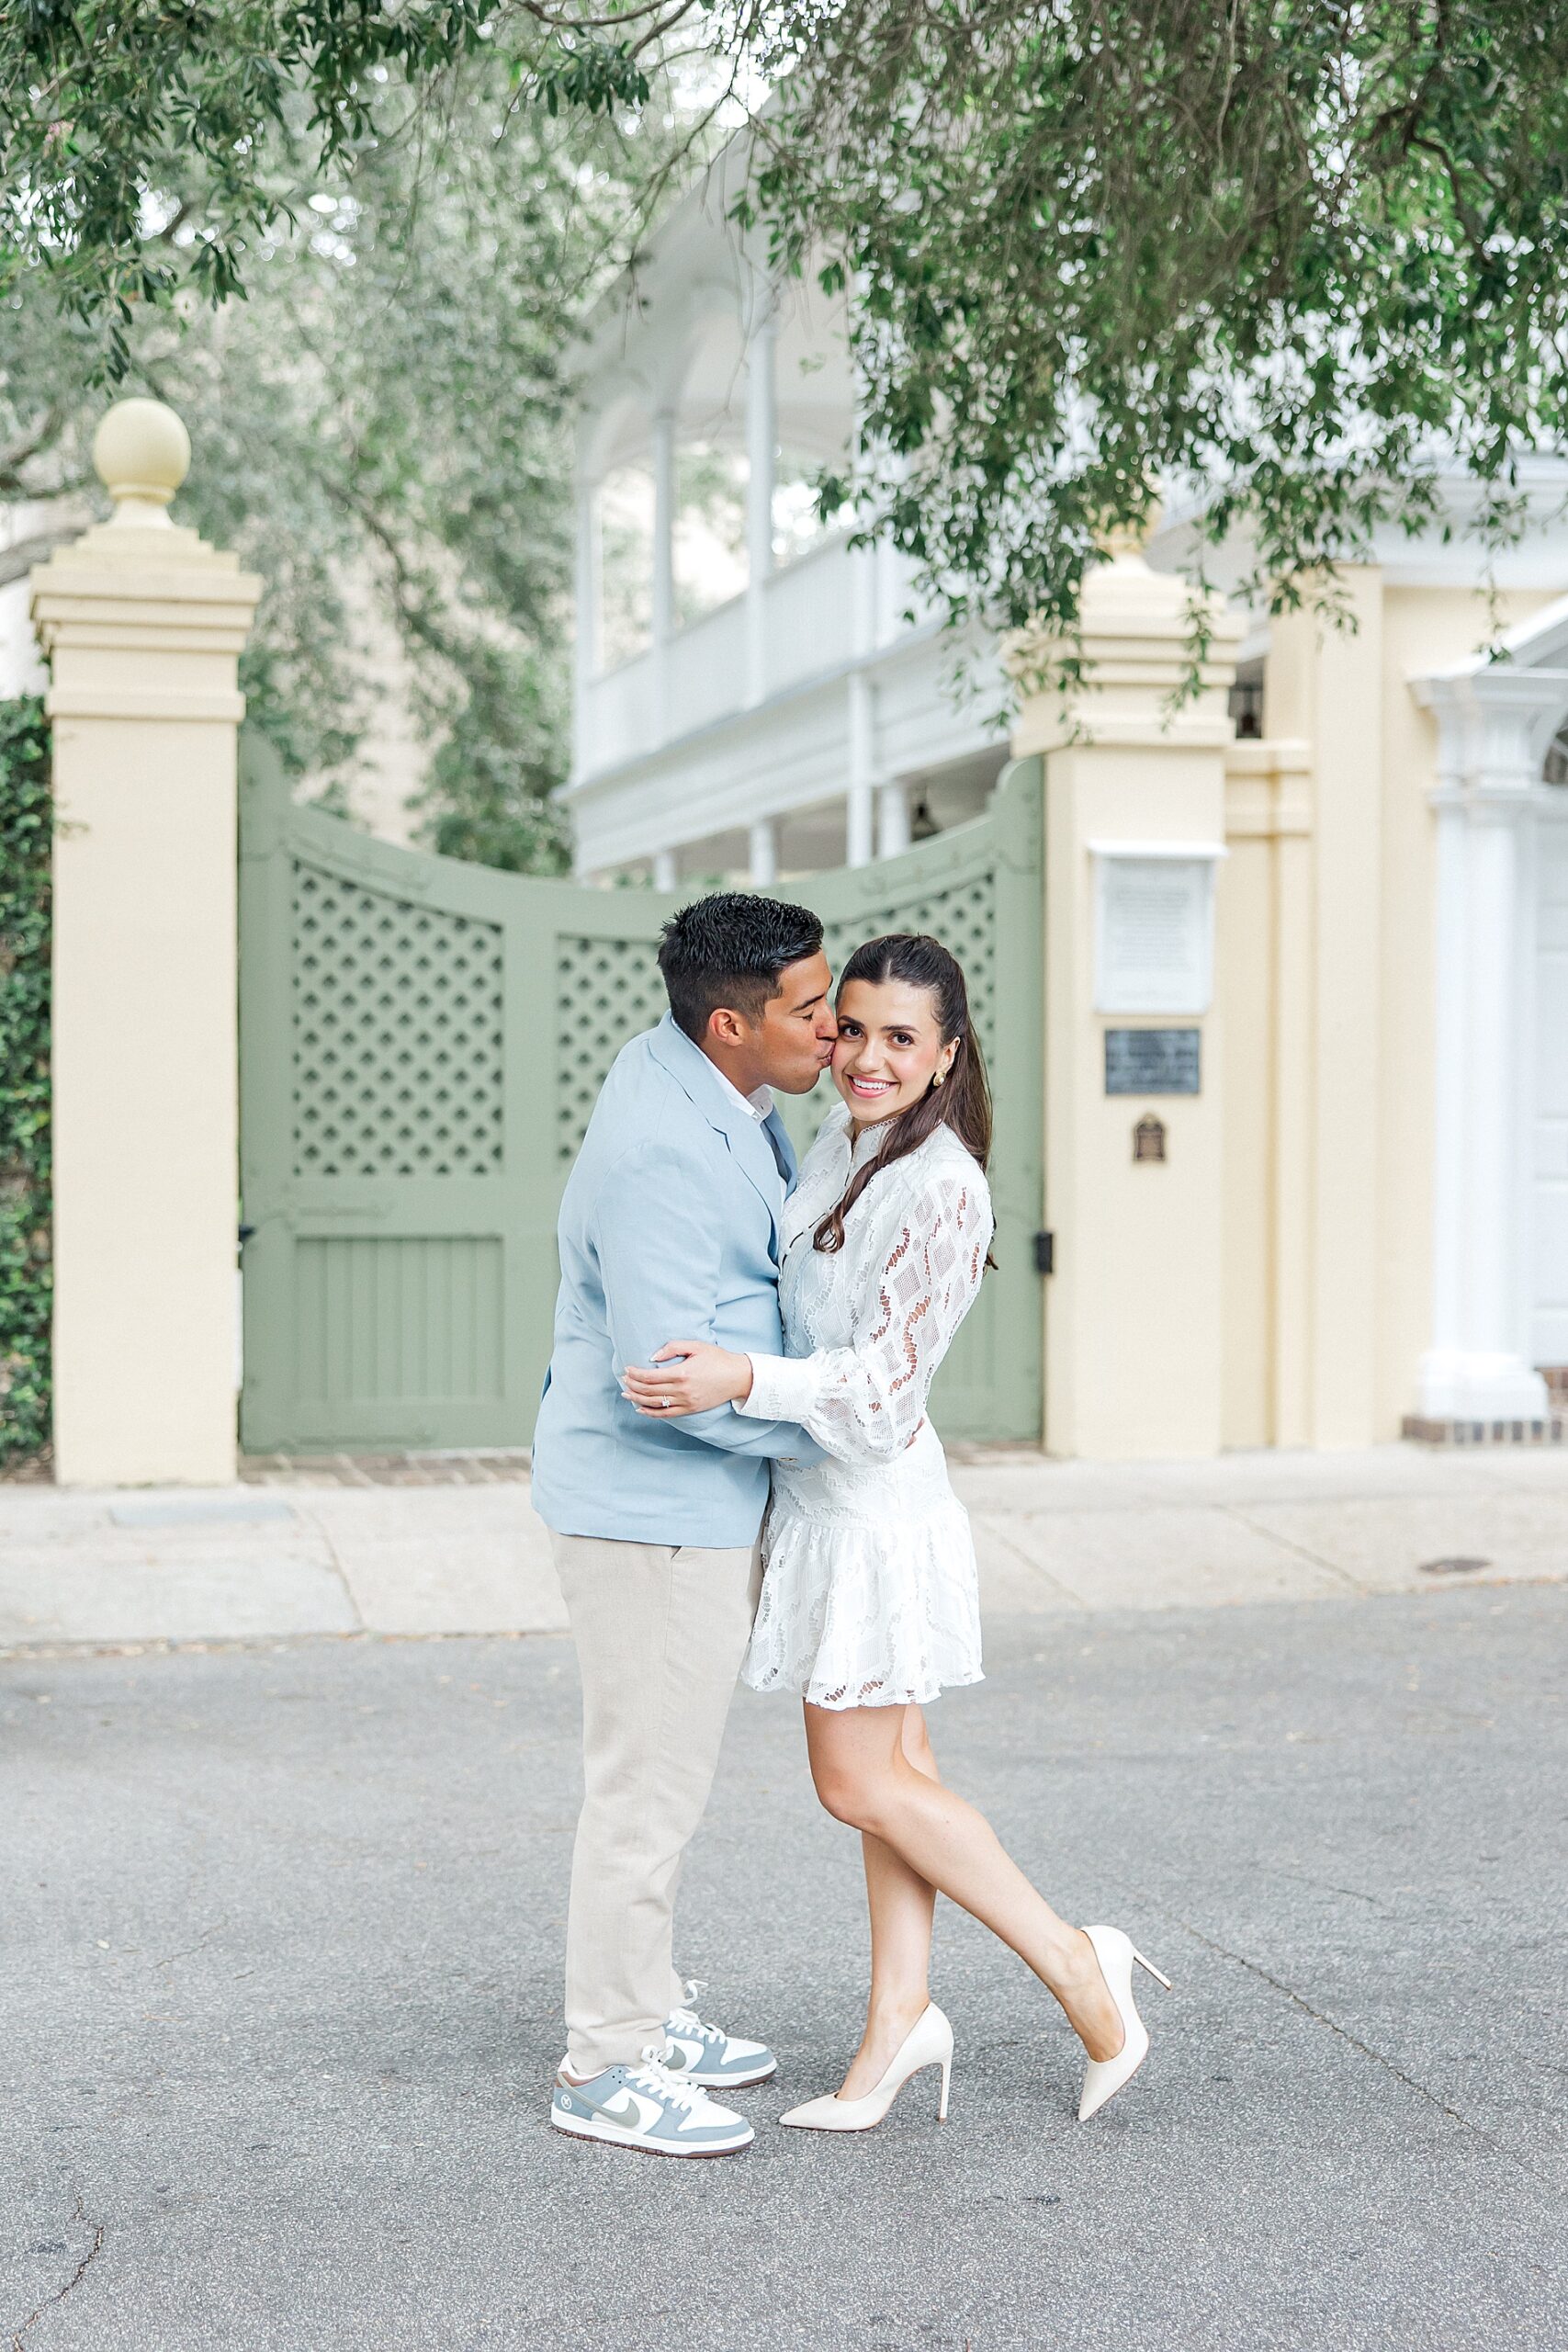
pixel 856 1616
pixel 882 1697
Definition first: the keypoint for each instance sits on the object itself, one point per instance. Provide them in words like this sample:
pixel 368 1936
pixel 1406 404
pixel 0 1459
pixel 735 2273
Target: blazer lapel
pixel 748 1146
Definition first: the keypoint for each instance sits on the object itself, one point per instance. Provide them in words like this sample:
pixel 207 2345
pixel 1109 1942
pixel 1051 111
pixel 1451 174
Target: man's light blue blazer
pixel 669 1230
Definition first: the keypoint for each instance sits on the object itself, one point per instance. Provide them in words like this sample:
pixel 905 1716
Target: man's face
pixel 798 1030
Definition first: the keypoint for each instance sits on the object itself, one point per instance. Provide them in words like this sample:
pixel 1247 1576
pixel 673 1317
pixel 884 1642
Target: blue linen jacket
pixel 669 1230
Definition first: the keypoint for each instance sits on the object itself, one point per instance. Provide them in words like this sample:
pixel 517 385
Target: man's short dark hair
pixel 731 950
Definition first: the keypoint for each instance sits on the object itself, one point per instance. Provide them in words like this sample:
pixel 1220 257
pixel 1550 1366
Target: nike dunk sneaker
pixel 645 2106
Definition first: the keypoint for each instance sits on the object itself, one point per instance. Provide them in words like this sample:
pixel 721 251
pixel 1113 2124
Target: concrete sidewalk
pixel 299 1556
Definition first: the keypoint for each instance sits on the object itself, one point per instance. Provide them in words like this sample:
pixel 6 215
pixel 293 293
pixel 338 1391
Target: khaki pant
pixel 660 1630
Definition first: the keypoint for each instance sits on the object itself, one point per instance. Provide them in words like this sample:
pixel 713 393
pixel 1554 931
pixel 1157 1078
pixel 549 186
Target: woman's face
pixel 890 1047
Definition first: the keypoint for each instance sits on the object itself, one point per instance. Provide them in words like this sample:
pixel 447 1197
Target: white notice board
pixel 1154 925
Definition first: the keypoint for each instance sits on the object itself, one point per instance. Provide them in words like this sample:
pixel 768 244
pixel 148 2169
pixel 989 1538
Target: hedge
pixel 26 826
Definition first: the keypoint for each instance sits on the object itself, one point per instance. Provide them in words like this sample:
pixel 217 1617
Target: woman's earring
pixel 938 1078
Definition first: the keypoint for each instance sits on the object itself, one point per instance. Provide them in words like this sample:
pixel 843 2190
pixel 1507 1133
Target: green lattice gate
pixel 421 1041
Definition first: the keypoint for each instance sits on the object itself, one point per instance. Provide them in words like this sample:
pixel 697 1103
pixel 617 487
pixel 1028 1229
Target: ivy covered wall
pixel 24 1258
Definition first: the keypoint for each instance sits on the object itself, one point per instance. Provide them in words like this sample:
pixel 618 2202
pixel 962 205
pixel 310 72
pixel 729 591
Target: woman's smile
pixel 890 1049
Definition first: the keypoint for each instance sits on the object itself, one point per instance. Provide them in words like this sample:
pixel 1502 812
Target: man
pixel 669 1227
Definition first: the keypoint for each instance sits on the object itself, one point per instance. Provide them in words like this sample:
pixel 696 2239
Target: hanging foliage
pixel 1303 261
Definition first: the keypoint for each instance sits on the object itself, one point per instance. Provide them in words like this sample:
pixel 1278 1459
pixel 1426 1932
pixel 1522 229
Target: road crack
pixel 191 1951
pixel 72 2283
pixel 1331 1887
pixel 1301 1550
pixel 1343 2033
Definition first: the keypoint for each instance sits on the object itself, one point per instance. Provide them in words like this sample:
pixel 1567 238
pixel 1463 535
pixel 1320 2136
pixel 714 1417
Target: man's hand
pixel 687 1377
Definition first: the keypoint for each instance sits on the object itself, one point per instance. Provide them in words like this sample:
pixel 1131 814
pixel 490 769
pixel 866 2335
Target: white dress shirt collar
pixel 756 1106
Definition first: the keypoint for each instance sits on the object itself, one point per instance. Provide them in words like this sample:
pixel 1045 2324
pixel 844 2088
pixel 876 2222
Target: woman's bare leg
pixel 901 1902
pixel 864 1777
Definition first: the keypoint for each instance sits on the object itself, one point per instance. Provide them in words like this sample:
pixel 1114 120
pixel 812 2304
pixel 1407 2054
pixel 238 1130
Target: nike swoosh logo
pixel 627 2110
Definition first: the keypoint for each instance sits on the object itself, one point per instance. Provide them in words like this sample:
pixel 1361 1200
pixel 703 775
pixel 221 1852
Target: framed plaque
pixel 1154 1061
pixel 1155 925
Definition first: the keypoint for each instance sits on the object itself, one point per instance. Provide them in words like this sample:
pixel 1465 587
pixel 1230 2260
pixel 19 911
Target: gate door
pixel 421 1041
pixel 979 889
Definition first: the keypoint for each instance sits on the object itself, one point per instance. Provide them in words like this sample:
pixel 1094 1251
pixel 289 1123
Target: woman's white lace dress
pixel 870 1594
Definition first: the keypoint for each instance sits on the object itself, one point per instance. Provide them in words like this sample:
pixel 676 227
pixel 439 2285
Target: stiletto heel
pixel 929 2042
pixel 1103 2077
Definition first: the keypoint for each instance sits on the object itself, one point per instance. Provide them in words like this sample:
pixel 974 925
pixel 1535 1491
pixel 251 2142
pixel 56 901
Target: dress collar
pixel 868 1144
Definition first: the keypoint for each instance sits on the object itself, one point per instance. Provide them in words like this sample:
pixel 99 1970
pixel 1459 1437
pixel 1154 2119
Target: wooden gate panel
pixel 422 1043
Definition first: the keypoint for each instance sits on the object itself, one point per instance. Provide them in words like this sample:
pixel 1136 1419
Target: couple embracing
pixel 727 1325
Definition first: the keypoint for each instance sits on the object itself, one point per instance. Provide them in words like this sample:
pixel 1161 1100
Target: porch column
pixel 664 501
pixel 892 818
pixel 1493 726
pixel 586 656
pixel 1135 801
pixel 761 462
pixel 860 809
pixel 860 813
pixel 666 876
pixel 763 846
pixel 144 624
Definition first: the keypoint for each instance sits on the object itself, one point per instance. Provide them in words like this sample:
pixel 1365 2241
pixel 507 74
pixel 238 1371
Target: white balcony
pixel 616 717
pixel 776 709
pixel 805 718
pixel 809 628
pixel 805 631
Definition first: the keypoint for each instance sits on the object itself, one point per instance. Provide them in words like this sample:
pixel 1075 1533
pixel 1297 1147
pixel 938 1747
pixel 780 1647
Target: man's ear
pixel 726 1028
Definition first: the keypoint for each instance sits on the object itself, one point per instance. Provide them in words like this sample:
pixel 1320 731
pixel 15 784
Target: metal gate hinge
pixel 1044 1253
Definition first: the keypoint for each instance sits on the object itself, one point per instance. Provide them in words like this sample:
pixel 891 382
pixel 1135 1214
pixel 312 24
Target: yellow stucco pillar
pixel 1134 1311
pixel 143 624
pixel 1324 685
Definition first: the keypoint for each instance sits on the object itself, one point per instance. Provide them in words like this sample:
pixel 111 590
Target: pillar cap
pixel 142 455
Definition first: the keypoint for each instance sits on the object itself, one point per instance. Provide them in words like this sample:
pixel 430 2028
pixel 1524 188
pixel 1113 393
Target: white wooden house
pixel 755 699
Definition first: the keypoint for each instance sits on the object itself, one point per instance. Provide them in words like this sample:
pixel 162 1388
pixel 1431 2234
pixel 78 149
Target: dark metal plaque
pixel 1151 1061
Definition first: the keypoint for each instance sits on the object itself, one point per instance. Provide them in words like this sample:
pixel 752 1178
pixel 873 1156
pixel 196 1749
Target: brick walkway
pixel 385 1469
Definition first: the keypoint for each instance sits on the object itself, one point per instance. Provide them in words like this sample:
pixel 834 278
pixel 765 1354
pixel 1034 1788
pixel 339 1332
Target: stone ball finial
pixel 1124 542
pixel 141 454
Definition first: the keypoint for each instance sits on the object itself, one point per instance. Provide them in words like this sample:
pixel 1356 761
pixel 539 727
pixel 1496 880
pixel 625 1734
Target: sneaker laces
pixel 652 2076
pixel 687 2019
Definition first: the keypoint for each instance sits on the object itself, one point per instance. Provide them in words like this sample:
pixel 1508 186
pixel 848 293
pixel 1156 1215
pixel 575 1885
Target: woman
pixel 869 1605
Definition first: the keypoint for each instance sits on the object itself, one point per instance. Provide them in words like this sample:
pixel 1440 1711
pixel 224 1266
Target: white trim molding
pixel 1495 721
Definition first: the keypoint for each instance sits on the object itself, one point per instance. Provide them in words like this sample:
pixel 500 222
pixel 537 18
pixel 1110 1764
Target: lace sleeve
pixel 864 1403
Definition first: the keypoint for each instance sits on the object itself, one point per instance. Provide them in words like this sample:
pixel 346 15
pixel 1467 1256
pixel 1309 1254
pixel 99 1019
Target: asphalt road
pixel 279 1987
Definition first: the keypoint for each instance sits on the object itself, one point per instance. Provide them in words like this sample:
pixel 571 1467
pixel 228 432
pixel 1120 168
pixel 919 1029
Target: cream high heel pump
pixel 929 2042
pixel 1103 2077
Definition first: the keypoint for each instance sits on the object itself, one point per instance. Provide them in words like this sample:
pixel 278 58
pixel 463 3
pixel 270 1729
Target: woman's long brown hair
pixel 961 1102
